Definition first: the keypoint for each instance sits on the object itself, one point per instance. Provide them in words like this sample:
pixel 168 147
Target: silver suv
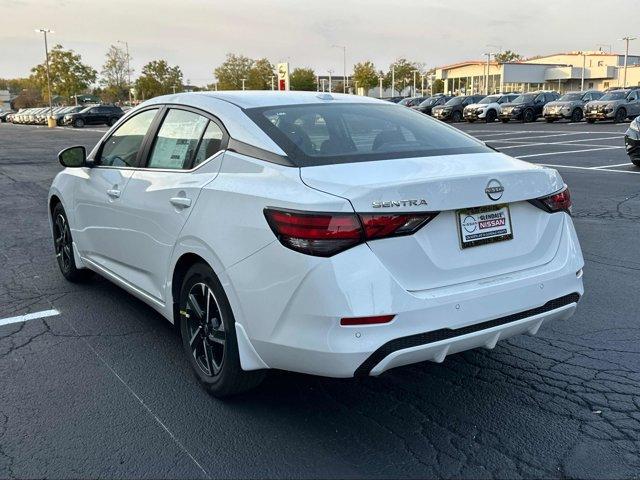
pixel 569 106
pixel 614 105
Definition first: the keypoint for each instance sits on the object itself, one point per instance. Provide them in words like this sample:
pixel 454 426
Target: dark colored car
pixel 569 106
pixel 527 107
pixel 614 105
pixel 394 99
pixel 452 111
pixel 4 115
pixel 95 115
pixel 427 105
pixel 632 142
pixel 412 101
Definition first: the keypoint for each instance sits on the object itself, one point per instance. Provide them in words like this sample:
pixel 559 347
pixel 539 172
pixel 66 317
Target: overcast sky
pixel 196 34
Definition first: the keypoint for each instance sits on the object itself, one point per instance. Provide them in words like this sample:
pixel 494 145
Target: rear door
pixel 184 155
pixel 634 103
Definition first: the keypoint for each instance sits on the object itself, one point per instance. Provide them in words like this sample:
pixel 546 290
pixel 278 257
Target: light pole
pixel 393 80
pixel 584 64
pixel 380 90
pixel 46 56
pixel 243 80
pixel 422 84
pixel 273 85
pixel 330 72
pixel 626 54
pixel 344 67
pixel 126 45
pixel 414 82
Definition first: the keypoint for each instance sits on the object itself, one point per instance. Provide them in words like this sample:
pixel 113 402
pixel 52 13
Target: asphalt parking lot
pixel 102 389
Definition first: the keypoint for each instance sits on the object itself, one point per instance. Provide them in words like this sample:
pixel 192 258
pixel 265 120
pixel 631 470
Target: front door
pixel 99 194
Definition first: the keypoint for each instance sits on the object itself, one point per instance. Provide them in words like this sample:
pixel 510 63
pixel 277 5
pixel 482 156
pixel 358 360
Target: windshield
pixel 570 97
pixel 456 101
pixel 322 134
pixel 489 99
pixel 524 99
pixel 619 95
pixel 429 102
pixel 405 101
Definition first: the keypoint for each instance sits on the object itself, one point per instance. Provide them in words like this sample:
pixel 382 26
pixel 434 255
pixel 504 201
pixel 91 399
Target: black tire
pixel 635 161
pixel 528 116
pixel 620 116
pixel 504 120
pixel 591 120
pixel 63 247
pixel 456 117
pixel 550 120
pixel 491 116
pixel 576 115
pixel 78 123
pixel 209 337
pixel 112 121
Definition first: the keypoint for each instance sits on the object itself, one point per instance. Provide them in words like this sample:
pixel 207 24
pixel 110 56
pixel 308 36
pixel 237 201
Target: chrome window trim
pixel 172 170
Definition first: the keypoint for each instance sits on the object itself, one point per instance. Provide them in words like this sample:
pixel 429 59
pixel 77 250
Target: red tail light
pixel 325 234
pixel 558 202
pixel 366 320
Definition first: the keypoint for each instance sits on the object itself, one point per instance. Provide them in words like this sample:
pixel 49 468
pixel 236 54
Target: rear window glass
pixel 321 134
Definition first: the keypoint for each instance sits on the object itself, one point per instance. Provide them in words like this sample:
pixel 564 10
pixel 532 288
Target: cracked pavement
pixel 103 389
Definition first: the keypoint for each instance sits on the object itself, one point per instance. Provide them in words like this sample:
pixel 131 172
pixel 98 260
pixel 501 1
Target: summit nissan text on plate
pixel 327 234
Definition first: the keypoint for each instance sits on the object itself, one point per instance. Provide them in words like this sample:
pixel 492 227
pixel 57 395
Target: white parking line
pixel 566 142
pixel 611 166
pixel 564 153
pixel 29 316
pixel 590 169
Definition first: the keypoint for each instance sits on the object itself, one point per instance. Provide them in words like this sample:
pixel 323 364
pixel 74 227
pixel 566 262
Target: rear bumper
pixel 291 311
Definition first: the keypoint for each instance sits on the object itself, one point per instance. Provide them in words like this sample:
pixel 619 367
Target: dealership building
pixel 561 72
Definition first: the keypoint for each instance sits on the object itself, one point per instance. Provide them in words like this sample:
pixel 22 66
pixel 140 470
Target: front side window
pixel 177 140
pixel 321 134
pixel 122 147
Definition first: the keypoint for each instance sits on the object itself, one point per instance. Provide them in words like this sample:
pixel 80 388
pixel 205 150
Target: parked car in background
pixel 488 108
pixel 427 105
pixel 94 115
pixel 59 115
pixel 632 141
pixel 614 105
pixel 569 106
pixel 5 114
pixel 526 107
pixel 412 101
pixel 452 111
pixel 394 99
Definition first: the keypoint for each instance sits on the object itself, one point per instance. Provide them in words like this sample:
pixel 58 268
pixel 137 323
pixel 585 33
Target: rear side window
pixel 121 149
pixel 177 140
pixel 210 144
pixel 321 134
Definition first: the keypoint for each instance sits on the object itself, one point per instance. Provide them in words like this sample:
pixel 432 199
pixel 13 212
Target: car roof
pixel 266 98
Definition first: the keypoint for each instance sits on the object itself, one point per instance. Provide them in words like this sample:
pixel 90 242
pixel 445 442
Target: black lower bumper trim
pixel 446 333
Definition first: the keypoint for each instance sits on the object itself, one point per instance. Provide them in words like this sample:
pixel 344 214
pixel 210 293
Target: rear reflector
pixel 558 202
pixel 366 320
pixel 325 234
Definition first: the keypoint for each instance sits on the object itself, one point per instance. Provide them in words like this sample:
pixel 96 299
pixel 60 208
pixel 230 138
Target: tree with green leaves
pixel 232 71
pixel 69 76
pixel 403 72
pixel 507 56
pixel 303 79
pixel 437 86
pixel 259 77
pixel 365 75
pixel 158 78
pixel 115 74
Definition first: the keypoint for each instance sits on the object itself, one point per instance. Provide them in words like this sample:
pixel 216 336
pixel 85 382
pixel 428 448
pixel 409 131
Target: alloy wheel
pixel 205 328
pixel 63 242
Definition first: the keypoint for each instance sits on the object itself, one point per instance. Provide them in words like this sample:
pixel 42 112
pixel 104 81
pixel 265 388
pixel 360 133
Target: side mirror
pixel 73 157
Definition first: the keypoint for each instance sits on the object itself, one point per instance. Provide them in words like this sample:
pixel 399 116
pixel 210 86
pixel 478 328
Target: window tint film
pixel 210 144
pixel 121 149
pixel 177 140
pixel 320 134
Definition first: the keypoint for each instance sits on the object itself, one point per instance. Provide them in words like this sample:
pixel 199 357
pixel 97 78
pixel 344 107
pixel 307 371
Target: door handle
pixel 181 202
pixel 113 193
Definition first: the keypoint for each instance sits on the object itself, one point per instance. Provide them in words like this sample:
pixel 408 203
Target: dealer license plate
pixel 482 225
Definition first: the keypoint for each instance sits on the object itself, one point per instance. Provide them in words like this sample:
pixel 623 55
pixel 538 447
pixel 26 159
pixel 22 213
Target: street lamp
pixel 380 90
pixel 414 81
pixel 626 54
pixel 126 44
pixel 330 72
pixel 243 80
pixel 344 66
pixel 273 84
pixel 46 55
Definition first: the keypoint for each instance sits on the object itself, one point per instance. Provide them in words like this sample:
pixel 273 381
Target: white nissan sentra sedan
pixel 327 234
